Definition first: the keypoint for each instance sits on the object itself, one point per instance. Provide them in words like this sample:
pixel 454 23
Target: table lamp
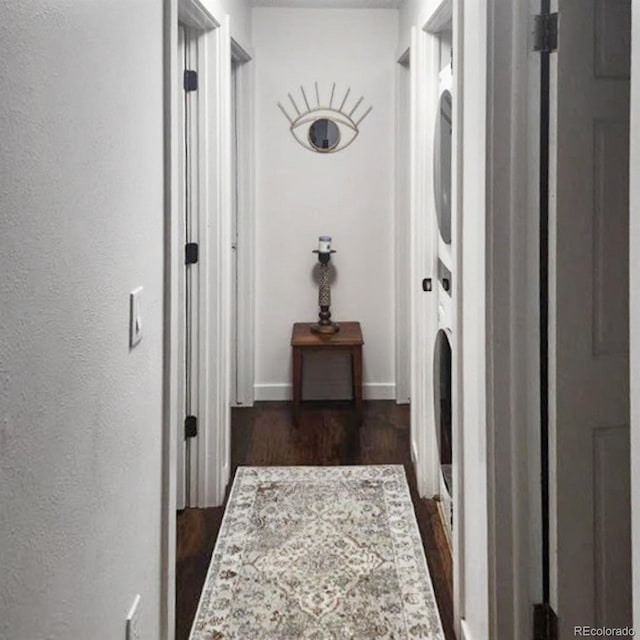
pixel 324 324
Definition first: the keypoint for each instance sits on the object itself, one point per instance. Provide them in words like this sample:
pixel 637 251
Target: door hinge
pixel 190 427
pixel 190 80
pixel 191 253
pixel 545 622
pixel 545 37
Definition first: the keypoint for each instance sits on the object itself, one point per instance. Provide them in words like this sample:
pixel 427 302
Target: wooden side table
pixel 348 339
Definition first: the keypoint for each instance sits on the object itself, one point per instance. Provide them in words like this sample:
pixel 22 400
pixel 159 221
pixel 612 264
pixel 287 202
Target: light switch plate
pixel 135 317
pixel 133 621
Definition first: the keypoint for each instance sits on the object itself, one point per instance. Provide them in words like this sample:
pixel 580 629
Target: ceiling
pixel 329 4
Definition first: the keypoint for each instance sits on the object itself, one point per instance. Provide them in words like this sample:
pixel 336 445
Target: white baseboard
pixel 414 454
pixel 281 391
pixel 379 390
pixel 272 392
pixel 464 628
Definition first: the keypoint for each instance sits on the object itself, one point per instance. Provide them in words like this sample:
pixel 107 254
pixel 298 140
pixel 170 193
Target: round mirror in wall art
pixel 326 124
pixel 442 166
pixel 324 135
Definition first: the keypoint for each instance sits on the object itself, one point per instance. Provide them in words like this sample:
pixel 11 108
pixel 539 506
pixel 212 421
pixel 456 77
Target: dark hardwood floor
pixel 264 435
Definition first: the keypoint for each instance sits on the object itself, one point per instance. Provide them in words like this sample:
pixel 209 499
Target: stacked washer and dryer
pixel 444 338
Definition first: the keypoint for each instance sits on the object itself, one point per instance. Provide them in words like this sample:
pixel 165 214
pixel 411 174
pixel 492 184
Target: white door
pixel 590 556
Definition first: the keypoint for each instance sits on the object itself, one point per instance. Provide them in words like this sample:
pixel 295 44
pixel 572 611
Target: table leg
pixel 356 359
pixel 297 384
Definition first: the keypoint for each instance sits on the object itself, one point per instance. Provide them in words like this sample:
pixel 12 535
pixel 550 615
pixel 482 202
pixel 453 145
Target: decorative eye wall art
pixel 325 129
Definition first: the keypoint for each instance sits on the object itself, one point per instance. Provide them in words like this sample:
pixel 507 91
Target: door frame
pixel 425 95
pixel 496 79
pixel 424 78
pixel 214 198
pixel 210 180
pixel 244 360
pixel 513 320
pixel 402 241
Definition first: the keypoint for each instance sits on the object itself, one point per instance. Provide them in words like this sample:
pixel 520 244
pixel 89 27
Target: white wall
pixel 301 194
pixel 635 307
pixel 81 224
pixel 409 15
pixel 413 13
pixel 239 12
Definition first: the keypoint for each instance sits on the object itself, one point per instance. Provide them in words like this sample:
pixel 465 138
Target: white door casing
pixel 424 73
pixel 513 321
pixel 588 317
pixel 243 228
pixel 209 210
pixel 192 274
pixel 423 319
pixel 213 450
pixel 403 276
pixel 181 467
pixel 424 70
pixel 215 191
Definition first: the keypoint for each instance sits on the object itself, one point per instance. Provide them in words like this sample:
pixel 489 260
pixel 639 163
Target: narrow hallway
pixel 264 435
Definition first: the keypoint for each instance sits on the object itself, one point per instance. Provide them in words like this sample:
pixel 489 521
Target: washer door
pixel 443 402
pixel 442 166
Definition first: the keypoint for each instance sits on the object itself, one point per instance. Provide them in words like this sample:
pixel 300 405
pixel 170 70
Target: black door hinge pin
pixel 191 253
pixel 190 427
pixel 546 33
pixel 190 80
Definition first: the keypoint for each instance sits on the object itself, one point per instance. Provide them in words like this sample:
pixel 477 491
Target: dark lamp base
pixel 325 328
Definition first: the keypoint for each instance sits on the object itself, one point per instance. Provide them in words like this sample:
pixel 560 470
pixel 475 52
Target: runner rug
pixel 320 553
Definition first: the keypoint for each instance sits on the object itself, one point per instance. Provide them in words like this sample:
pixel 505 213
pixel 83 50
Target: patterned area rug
pixel 320 553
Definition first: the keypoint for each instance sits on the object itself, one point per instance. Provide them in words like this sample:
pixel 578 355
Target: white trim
pixel 281 391
pixel 458 487
pixel 193 14
pixel 213 380
pixel 245 163
pixel 424 234
pixel 275 392
pixel 379 391
pixel 211 190
pixel 423 307
pixel 172 405
pixel 415 268
pixel 402 240
pixel 512 330
pixel 465 633
pixel 240 54
pixel 178 303
pixel 414 454
pixel 194 114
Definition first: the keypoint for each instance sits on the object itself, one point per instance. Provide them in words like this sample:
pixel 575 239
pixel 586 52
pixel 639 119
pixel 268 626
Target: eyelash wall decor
pixel 324 129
